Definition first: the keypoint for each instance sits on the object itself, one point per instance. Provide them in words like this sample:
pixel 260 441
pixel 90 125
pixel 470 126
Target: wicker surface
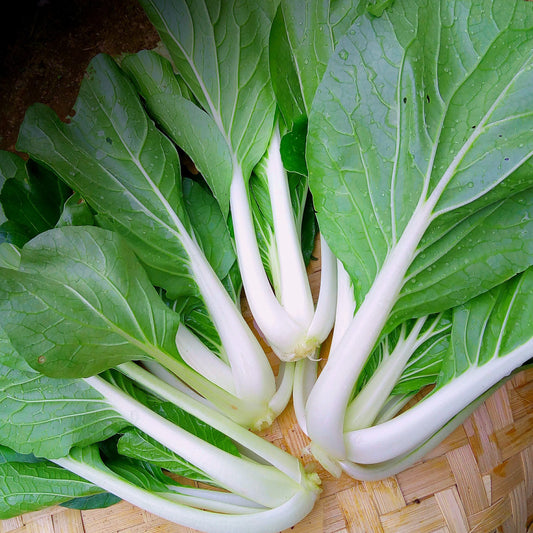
pixel 480 479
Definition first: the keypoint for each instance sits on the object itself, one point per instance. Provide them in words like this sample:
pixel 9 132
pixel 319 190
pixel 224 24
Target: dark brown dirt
pixel 46 45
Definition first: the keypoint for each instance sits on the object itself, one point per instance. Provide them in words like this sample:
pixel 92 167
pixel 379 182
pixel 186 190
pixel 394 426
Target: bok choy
pixel 114 435
pixel 427 114
pixel 129 173
pixel 220 50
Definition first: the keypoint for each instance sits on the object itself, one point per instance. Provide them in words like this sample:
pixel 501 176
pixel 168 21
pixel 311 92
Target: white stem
pixel 282 517
pixel 280 330
pixel 411 428
pixel 296 297
pixel 324 316
pixel 288 464
pixel 215 495
pixel 345 309
pixel 364 408
pixel 284 384
pixel 329 398
pixel 374 472
pixel 231 472
pixel 304 378
pixel 205 502
pixel 168 377
pixel 252 374
pixel 196 354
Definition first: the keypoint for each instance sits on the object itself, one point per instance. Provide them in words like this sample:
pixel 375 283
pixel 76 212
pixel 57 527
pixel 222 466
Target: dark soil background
pixel 46 45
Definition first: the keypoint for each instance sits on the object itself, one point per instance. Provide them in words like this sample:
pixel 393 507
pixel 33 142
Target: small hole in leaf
pixel 404 100
pixel 428 98
pixel 109 140
pixel 506 159
pixel 473 127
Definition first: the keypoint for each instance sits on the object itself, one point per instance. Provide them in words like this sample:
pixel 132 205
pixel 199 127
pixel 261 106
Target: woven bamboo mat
pixel 479 479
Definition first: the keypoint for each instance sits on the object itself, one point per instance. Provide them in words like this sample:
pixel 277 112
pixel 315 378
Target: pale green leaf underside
pixel 220 50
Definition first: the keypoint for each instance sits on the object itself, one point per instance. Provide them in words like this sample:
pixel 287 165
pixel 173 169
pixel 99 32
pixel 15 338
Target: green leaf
pixel 82 303
pixel 210 227
pixel 76 212
pixel 26 487
pixel 46 416
pixel 221 51
pixel 189 126
pixel 127 170
pixel 479 252
pixel 31 198
pixel 96 501
pixel 429 106
pixel 151 73
pixel 492 326
pixel 303 36
pixel 7 455
pixel 138 445
pixel 140 473
pixel 9 256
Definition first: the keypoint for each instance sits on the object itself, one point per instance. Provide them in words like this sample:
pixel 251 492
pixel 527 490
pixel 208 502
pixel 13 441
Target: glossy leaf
pixel 92 305
pixel 26 487
pixel 127 170
pixel 210 41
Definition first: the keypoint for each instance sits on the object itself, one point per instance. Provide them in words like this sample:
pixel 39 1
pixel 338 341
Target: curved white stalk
pixel 330 396
pixel 295 292
pixel 324 315
pixel 252 374
pixel 205 502
pixel 282 332
pixel 411 428
pixel 168 377
pixel 374 472
pixel 288 464
pixel 231 472
pixel 196 354
pixel 280 517
pixel 345 309
pixel 304 378
pixel 216 496
pixel 364 408
pixel 284 384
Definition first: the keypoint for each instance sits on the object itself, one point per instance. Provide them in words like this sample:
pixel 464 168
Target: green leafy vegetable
pixel 427 113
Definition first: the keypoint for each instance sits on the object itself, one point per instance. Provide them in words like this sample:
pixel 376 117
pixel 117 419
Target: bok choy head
pixel 109 435
pixel 236 113
pixel 129 173
pixel 427 115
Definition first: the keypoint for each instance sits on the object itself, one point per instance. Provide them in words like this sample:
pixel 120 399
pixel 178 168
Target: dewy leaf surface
pixel 483 250
pixel 122 165
pixel 220 49
pixel 431 101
